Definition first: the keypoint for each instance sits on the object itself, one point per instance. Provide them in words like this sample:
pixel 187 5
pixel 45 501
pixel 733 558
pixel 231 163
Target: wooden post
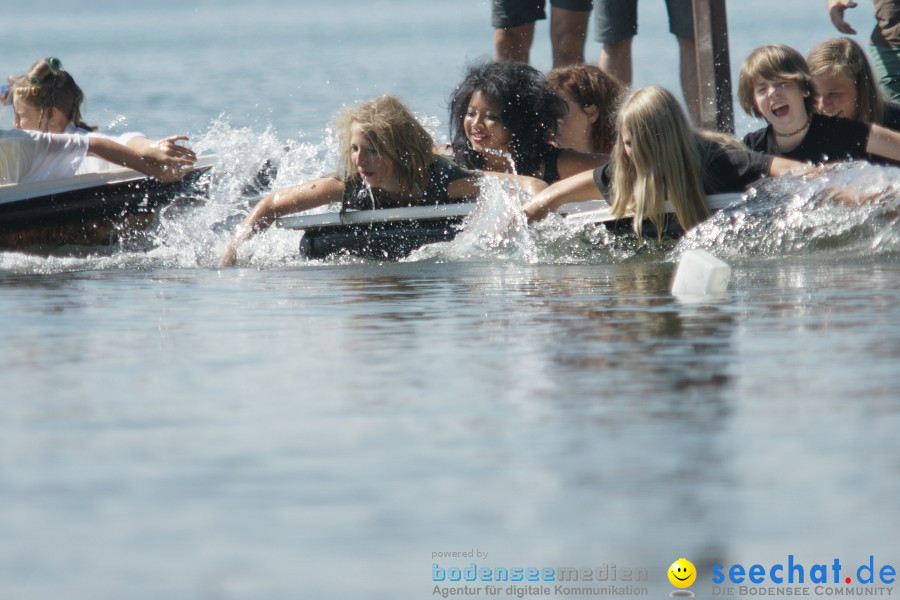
pixel 713 66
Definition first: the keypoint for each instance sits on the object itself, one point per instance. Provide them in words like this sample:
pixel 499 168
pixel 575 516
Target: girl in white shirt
pixel 27 156
pixel 48 99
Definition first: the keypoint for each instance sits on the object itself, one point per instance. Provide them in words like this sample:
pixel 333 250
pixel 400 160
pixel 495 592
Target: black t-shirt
pixel 891 118
pixel 357 196
pixel 723 169
pixel 828 139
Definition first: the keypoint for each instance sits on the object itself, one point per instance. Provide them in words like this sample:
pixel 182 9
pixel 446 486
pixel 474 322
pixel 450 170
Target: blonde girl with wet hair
pixel 386 161
pixel 845 84
pixel 392 132
pixel 659 157
pixel 48 99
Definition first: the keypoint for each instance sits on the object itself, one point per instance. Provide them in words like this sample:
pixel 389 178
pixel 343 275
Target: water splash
pixel 563 242
pixel 192 232
pixel 496 229
pixel 248 166
pixel 117 121
pixel 850 209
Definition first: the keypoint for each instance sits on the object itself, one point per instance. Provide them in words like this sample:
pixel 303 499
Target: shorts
pixel 512 13
pixel 616 20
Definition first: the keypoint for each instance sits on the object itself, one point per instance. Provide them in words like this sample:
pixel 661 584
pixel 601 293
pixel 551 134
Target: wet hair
pixel 590 86
pixel 843 56
pixel 664 163
pixel 394 132
pixel 776 61
pixel 529 108
pixel 46 86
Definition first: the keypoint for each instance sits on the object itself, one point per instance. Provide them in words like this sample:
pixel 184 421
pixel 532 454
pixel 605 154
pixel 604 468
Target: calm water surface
pixel 291 432
pixel 295 429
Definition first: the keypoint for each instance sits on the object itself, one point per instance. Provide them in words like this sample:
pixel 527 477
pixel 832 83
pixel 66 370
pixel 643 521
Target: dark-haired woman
pixel 592 97
pixel 504 117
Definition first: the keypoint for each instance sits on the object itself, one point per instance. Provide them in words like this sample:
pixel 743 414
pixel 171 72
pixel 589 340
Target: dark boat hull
pixel 87 214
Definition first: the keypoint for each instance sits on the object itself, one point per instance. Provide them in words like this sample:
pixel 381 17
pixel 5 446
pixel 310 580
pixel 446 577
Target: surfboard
pixel 392 233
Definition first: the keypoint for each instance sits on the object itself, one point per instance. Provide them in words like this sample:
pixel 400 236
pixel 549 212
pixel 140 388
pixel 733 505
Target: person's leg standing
pixel 568 30
pixel 513 22
pixel 616 25
pixel 681 24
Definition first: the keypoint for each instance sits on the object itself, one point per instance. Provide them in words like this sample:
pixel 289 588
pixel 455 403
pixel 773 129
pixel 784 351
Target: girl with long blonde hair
pixel 659 158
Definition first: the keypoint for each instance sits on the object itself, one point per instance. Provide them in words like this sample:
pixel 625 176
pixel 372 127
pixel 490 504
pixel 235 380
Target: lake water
pixel 307 429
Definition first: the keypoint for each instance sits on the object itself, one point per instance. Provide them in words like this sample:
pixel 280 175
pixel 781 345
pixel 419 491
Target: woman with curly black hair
pixel 504 117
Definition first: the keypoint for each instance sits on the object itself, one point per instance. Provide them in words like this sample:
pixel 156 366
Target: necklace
pixel 801 130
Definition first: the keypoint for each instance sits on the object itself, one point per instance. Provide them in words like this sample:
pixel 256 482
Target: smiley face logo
pixel 682 573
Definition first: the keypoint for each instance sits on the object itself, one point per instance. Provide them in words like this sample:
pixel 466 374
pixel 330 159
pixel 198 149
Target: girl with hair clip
pixel 659 157
pixel 591 97
pixel 504 109
pixel 48 99
pixel 387 160
pixel 846 86
pixel 27 156
pixel 776 85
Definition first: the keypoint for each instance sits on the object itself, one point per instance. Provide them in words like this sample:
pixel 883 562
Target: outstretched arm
pixel 165 168
pixel 572 162
pixel 530 185
pixel 578 188
pixel 305 196
pixel 780 166
pixel 884 142
pixel 166 147
pixel 836 10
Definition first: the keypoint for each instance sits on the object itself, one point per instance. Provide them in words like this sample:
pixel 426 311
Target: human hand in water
pixel 229 257
pixel 842 194
pixel 836 10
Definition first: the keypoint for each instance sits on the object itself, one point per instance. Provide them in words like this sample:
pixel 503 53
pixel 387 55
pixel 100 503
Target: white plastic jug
pixel 699 273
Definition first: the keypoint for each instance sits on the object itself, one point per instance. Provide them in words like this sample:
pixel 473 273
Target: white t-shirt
pixel 27 156
pixel 94 164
